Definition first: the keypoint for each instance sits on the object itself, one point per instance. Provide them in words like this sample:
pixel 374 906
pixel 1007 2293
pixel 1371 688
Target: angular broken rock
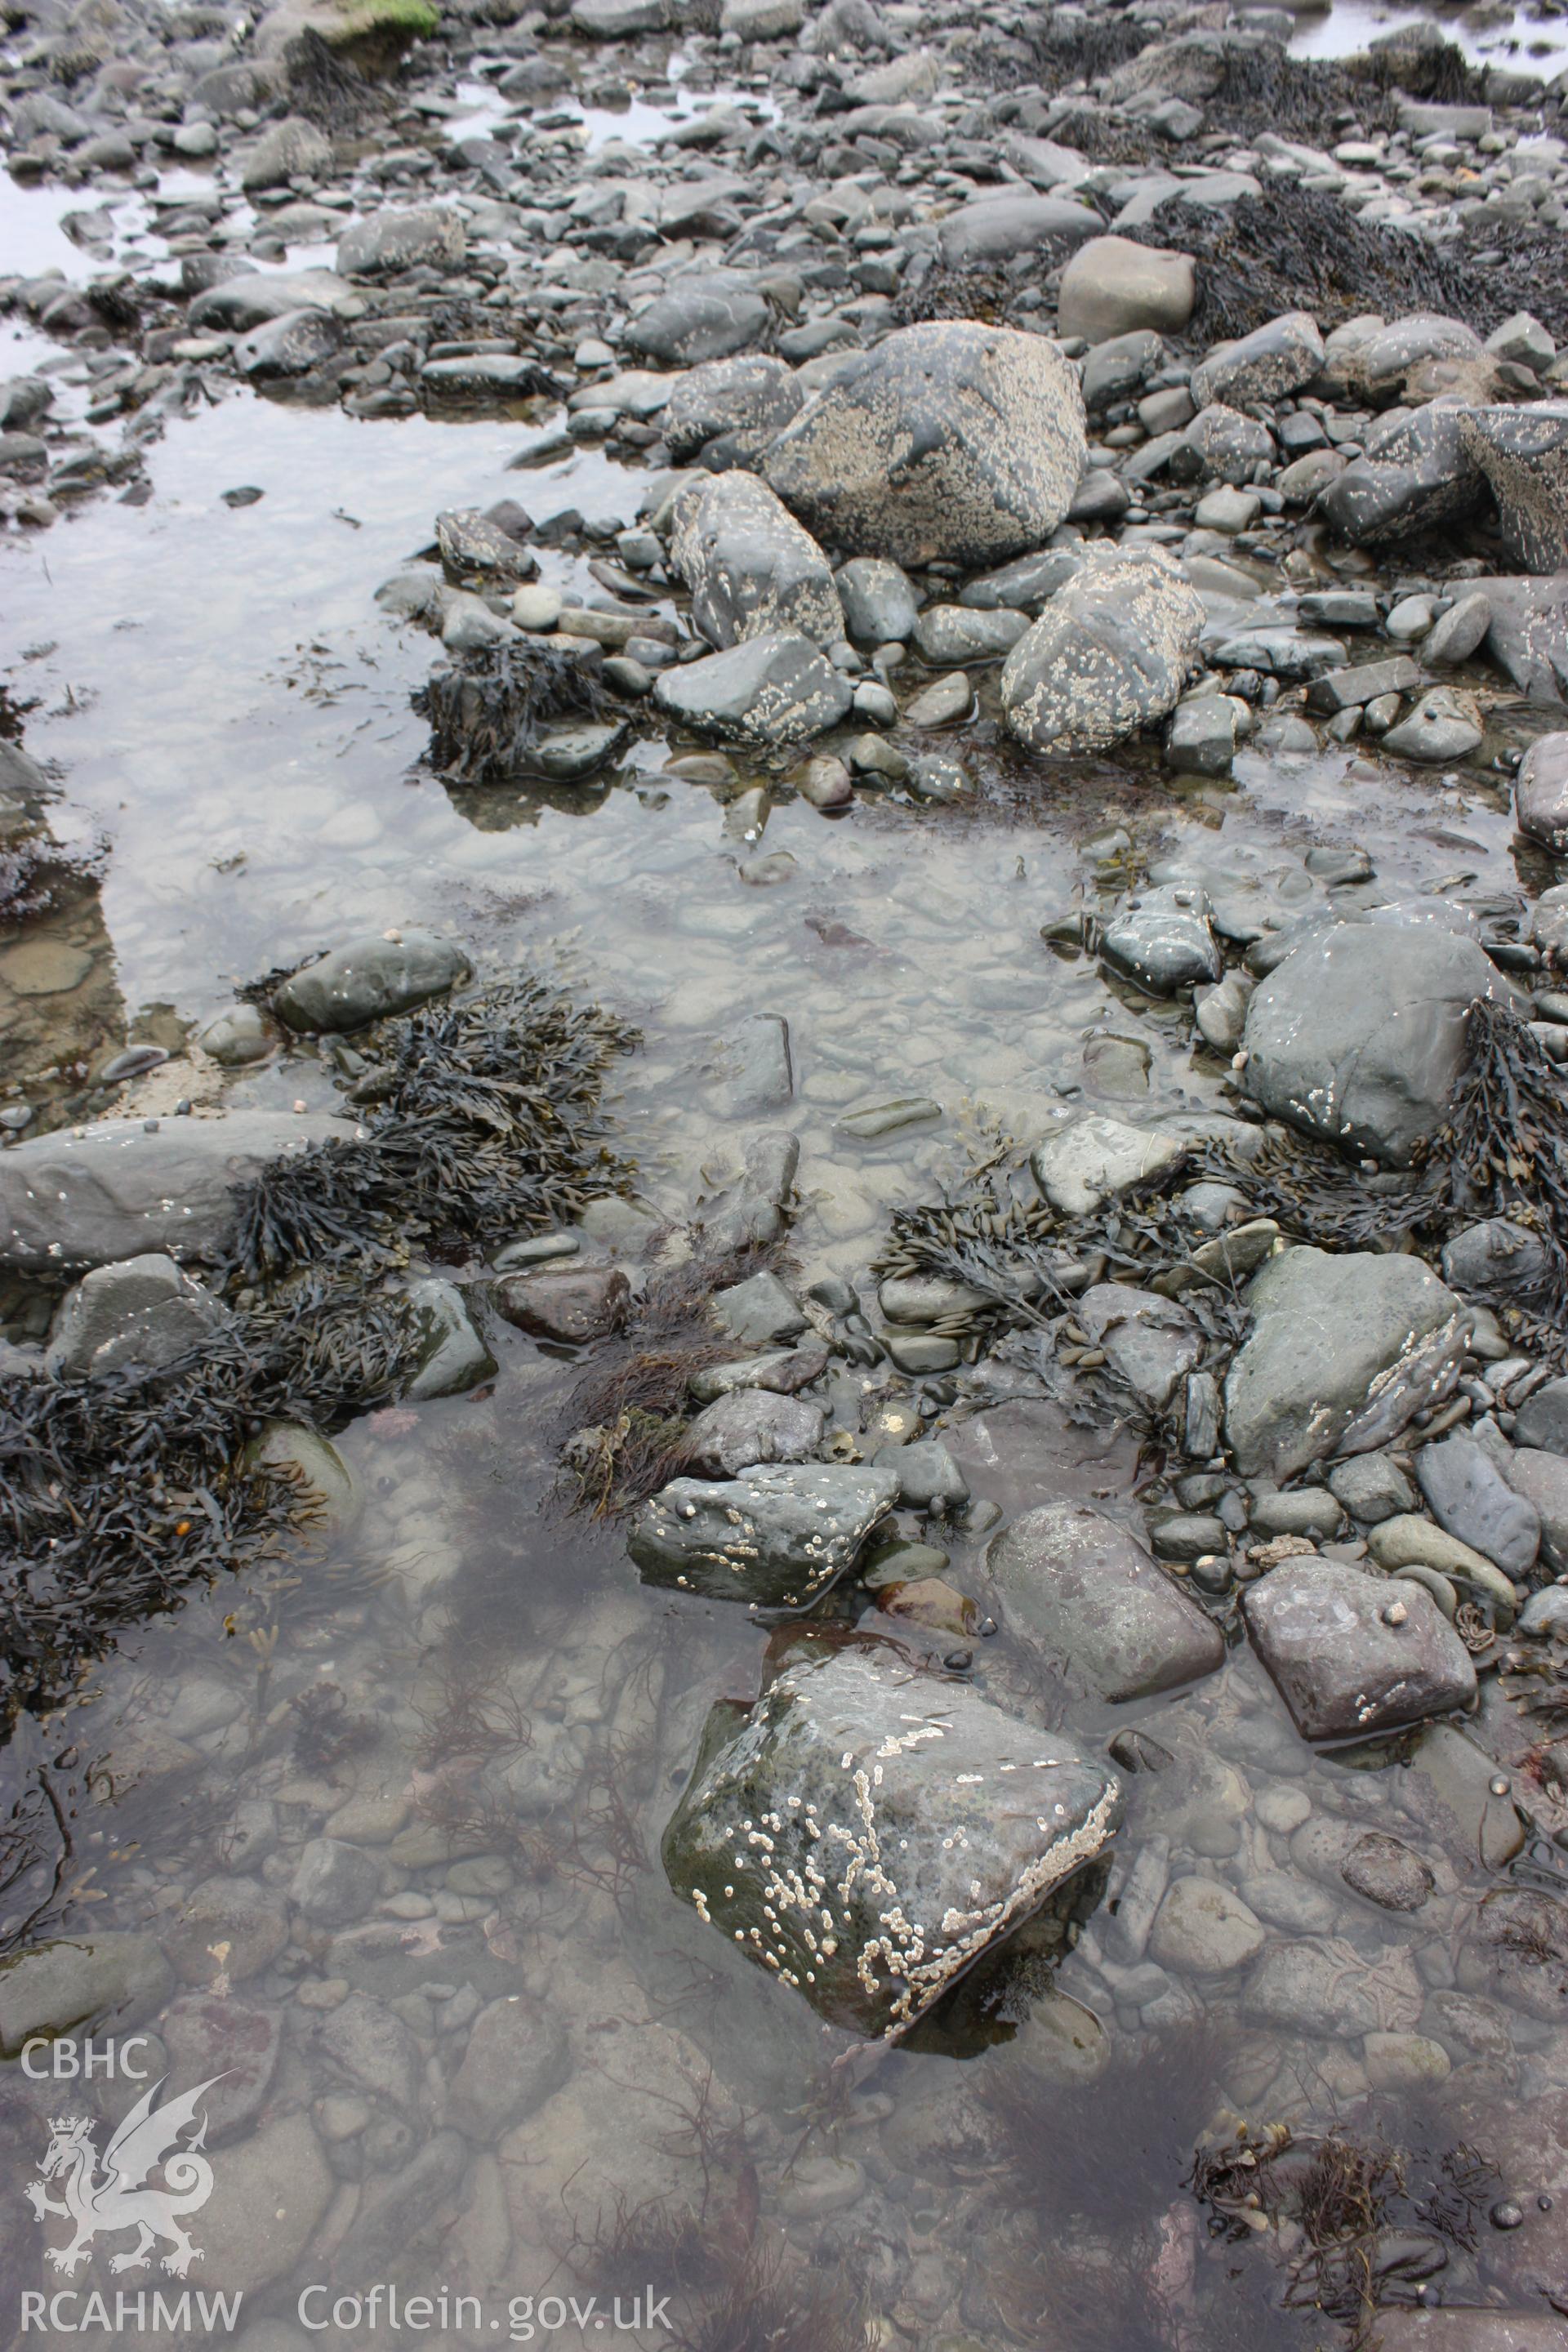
pixel 949 441
pixel 1092 1604
pixel 1356 1655
pixel 750 566
pixel 774 688
pixel 1344 1350
pixel 866 1833
pixel 1112 651
pixel 776 1537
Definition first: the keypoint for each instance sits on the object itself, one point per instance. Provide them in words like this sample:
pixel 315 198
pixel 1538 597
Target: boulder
pixel 1523 455
pixel 1149 1341
pixel 878 600
pixel 517 2057
pixel 144 1311
pixel 1111 652
pixel 126 1188
pixel 866 1834
pixel 1086 1598
pixel 751 393
pixel 570 1305
pixel 249 299
pixel 1359 1034
pixel 949 441
pixel 750 566
pixel 1528 639
pixel 1409 354
pixel 210 2035
pixel 775 1538
pixel 750 1426
pixel 367 979
pixel 1540 793
pixel 1274 360
pixel 1353 1654
pixel 704 317
pixel 774 688
pixel 991 229
pixel 1542 1421
pixel 1443 726
pixel 291 345
pixel 1113 286
pixel 1344 1350
pixel 1202 1928
pixel 617 20
pixel 1096 1157
pixel 1469 1497
pixel 1162 937
pixel 291 150
pixel 1416 475
pixel 426 234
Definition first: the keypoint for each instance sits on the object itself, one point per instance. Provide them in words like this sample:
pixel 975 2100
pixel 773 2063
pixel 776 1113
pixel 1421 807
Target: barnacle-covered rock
pixel 866 1833
pixel 748 565
pixel 775 1538
pixel 1110 652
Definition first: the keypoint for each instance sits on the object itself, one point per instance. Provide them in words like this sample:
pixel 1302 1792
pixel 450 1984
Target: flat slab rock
pixel 1095 1608
pixel 1345 1672
pixel 865 1832
pixel 775 1538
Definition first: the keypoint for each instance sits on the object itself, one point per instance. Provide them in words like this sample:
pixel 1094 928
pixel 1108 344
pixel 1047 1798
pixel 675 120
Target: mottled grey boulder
pixel 989 229
pixel 746 395
pixel 617 20
pixel 1442 726
pixel 291 150
pixel 866 1833
pixel 1097 1157
pixel 950 440
pixel 1306 1987
pixel 1164 938
pixel 878 599
pixel 776 1539
pixel 1272 361
pixel 1113 286
pixel 1380 365
pixel 706 317
pixel 1358 1034
pixel 290 345
pixel 451 1358
pixel 1468 1496
pixel 127 1187
pixel 249 299
pixel 1343 1351
pixel 1356 1655
pixel 1542 1421
pixel 1110 652
pixel 1528 638
pixel 1540 793
pixel 1087 1599
pixel 1220 444
pixel 1151 1342
pixel 750 1426
pixel 776 688
pixel 145 1310
pixel 368 978
pixel 399 239
pixel 1497 1259
pixel 750 566
pixel 1523 453
pixel 1416 475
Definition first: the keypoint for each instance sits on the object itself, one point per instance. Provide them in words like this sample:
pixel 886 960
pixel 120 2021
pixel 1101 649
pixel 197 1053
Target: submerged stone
pixel 1098 1612
pixel 1356 1655
pixel 144 1311
pixel 775 1538
pixel 865 1832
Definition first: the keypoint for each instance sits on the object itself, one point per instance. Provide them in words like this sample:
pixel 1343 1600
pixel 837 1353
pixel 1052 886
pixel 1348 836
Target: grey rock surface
pixel 368 978
pixel 774 688
pixel 752 391
pixel 1092 1605
pixel 776 1539
pixel 751 568
pixel 1112 651
pixel 1347 1663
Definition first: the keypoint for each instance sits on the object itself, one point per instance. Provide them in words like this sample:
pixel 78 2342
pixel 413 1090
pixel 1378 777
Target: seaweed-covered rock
pixel 1523 453
pixel 368 978
pixel 1087 1599
pixel 1358 1035
pixel 866 1833
pixel 1353 1653
pixel 750 566
pixel 128 1187
pixel 774 688
pixel 751 392
pixel 144 1310
pixel 950 440
pixel 1112 651
pixel 776 1537
pixel 1344 1350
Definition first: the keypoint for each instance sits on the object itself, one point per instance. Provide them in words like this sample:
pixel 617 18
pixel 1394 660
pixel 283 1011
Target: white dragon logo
pixel 142 2143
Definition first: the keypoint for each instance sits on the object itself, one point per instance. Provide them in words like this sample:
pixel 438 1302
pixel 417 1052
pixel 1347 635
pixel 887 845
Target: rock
pixel 1542 1421
pixel 237 1036
pixel 451 1358
pixel 368 2045
pixel 368 979
pixel 225 1928
pixel 317 1469
pixel 1090 1604
pixel 333 1882
pixel 291 150
pixel 617 20
pixel 774 688
pixel 1385 1870
pixel 761 20
pixel 394 239
pixel 949 635
pixel 1203 1929
pixel 751 1425
pixel 1523 455
pixel 1459 633
pixel 1540 793
pixel 760 1311
pixel 210 2035
pixel 939 704
pixel 1202 737
pixel 707 316
pixel 1112 287
pixel 291 345
pixel 1443 726
pixel 1370 1487
pixel 991 229
pixel 1306 1989
pixel 517 2057
pixel 129 1188
pixel 1112 651
pixel 1525 1935
pixel 60 1986
pixel 929 1478
pixel 889 1864
pixel 1468 1496
pixel 751 393
pixel 1162 937
pixel 1497 1259
pixel 1345 1669
pixel 1221 1011
pixel 1220 443
pixel 142 1311
pixel 1542 1480
pixel 1359 1034
pixel 1404 2062
pixel 1467 2330
pixel 571 1307
pixel 1272 361
pixel 775 1540
pixel 752 1073
pixel 1026 583
pixel 1528 639
pixel 878 600
pixel 1151 1342
pixel 949 440
pixel 1343 1350
pixel 269 2194
pixel 1416 475
pixel 748 565
pixel 1097 1157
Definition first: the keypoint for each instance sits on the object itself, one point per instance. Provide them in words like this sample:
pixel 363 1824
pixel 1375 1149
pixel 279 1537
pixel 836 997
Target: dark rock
pixel 1385 1870
pixel 144 1310
pixel 732 395
pixel 1417 474
pixel 368 978
pixel 1540 793
pixel 517 2057
pixel 705 316
pixel 1091 1604
pixel 748 1426
pixel 878 600
pixel 1344 1670
pixel 775 688
pixel 1151 1342
pixel 1162 937
pixel 571 1307
pixel 991 229
pixel 1469 1497
pixel 393 239
pixel 751 568
pixel 1542 1421
pixel 291 345
pixel 1272 361
pixel 1523 455
pixel 1528 635
pixel 777 1539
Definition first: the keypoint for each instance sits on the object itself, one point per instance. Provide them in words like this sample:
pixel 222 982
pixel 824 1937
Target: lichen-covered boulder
pixel 1112 650
pixel 952 442
pixel 776 1537
pixel 750 566
pixel 866 1832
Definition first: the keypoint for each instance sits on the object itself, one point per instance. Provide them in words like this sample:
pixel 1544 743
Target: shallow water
pixel 1524 40
pixel 472 1686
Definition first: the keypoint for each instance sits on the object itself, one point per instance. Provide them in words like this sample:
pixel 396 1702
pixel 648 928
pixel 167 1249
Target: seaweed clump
pixel 486 715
